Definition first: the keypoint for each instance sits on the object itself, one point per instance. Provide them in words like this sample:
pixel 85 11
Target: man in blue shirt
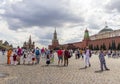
pixel 37 53
pixel 102 60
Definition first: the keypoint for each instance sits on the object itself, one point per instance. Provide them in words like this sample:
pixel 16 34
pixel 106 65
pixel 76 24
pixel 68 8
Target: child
pixel 11 58
pixel 48 60
pixel 102 60
pixel 24 57
pixel 33 58
pixel 29 57
pixel 15 59
pixel 52 56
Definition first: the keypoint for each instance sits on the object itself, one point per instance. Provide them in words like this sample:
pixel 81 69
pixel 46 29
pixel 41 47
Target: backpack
pixel 37 52
pixel 69 56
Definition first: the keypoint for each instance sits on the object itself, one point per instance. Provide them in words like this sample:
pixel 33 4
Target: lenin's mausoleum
pixel 107 39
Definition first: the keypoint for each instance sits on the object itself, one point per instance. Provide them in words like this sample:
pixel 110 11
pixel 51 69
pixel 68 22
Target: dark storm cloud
pixel 43 13
pixel 44 42
pixel 76 39
pixel 113 5
pixel 94 26
pixel 44 39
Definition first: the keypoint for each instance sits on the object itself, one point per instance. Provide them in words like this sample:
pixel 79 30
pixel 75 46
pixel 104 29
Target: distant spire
pixel 55 40
pixel 106 24
pixel 86 29
pixel 30 39
pixel 55 35
pixel 55 30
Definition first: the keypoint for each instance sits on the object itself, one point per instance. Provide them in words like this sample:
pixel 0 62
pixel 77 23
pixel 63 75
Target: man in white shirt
pixel 87 57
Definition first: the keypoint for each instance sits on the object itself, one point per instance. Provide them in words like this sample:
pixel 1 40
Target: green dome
pixel 106 29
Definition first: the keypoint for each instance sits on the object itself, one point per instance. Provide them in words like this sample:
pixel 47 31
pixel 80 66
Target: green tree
pixel 97 47
pixel 104 47
pixel 90 46
pixel 118 47
pixel 110 46
pixel 101 47
pixel 113 45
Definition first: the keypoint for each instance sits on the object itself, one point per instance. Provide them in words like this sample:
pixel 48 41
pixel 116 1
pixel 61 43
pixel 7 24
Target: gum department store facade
pixel 105 39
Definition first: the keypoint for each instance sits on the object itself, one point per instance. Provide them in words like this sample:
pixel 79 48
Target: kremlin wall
pixel 107 39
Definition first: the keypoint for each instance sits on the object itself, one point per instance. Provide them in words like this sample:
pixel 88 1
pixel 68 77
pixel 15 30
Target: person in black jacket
pixel 66 56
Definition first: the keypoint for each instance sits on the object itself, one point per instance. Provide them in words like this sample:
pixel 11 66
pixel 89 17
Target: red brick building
pixel 105 39
pixel 55 43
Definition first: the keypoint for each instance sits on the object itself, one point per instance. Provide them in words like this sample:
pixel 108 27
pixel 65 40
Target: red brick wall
pixel 99 42
pixel 106 41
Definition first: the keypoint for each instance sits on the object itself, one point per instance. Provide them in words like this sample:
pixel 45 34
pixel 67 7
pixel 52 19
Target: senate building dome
pixel 105 29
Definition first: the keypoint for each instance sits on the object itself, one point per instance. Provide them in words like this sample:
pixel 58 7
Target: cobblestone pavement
pixel 53 74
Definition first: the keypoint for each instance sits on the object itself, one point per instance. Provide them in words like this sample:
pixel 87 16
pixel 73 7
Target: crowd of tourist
pixel 33 56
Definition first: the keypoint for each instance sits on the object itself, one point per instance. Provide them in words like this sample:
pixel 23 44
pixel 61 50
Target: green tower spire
pixel 86 35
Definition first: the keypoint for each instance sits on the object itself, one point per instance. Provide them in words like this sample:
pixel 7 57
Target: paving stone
pixel 53 74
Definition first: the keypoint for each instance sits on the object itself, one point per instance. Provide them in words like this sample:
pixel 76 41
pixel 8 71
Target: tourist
pixel 47 51
pixel 14 58
pixel 102 60
pixel 43 52
pixel 114 53
pixel 87 57
pixel 11 58
pixel 81 53
pixel 37 53
pixel 29 57
pixel 3 51
pixel 66 55
pixel 19 53
pixel 60 56
pixel 51 56
pixel 118 54
pixel 47 60
pixel 9 54
pixel 71 52
pixel 33 58
pixel 109 54
pixel 24 56
pixel 76 55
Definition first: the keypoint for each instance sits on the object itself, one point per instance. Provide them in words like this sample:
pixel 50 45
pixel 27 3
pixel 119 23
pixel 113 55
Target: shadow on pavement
pixel 82 68
pixel 99 71
pixel 53 66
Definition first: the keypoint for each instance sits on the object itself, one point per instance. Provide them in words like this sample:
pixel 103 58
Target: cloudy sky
pixel 21 18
